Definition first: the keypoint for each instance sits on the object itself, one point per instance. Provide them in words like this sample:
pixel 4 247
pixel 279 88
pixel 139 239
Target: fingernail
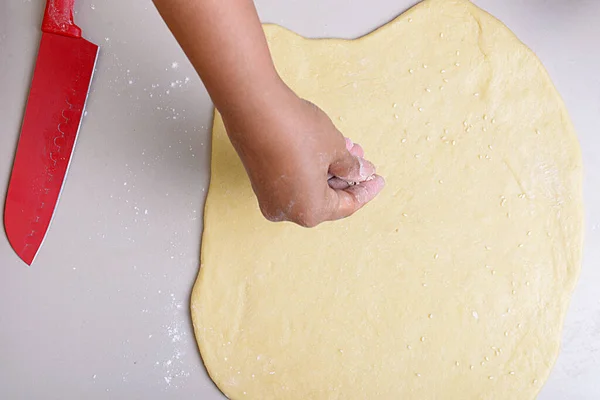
pixel 349 144
pixel 380 181
pixel 366 169
pixel 361 168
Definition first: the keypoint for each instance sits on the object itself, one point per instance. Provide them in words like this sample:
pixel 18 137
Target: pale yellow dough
pixel 454 282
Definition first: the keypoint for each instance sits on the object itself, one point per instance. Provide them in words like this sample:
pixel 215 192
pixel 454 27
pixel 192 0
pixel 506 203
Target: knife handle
pixel 58 18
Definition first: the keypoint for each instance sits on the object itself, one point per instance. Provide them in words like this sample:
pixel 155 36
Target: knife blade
pixel 57 96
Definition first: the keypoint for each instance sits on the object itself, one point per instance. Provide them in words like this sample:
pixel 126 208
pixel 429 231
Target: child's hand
pixel 301 167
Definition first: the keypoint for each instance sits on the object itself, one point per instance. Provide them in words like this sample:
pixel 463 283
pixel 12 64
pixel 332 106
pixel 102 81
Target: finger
pixel 349 143
pixel 357 150
pixel 351 168
pixel 346 202
pixel 354 148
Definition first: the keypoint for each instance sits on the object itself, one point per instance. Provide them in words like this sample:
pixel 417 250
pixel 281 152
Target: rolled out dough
pixel 454 282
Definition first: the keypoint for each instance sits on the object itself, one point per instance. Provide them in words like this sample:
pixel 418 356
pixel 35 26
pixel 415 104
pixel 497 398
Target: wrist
pixel 255 96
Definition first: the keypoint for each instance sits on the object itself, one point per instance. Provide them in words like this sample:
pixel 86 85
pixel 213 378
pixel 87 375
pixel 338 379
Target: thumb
pixel 352 168
pixel 347 201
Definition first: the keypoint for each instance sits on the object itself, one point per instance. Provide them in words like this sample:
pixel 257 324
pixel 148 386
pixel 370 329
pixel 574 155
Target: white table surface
pixel 103 313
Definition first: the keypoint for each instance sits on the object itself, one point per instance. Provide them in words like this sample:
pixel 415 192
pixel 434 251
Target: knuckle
pixel 305 215
pixel 308 221
pixel 271 214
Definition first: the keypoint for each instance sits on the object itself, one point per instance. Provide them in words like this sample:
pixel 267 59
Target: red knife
pixel 59 89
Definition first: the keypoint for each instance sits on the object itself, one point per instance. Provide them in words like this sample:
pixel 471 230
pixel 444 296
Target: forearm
pixel 225 42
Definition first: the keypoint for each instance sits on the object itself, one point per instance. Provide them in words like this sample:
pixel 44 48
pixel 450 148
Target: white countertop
pixel 103 313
